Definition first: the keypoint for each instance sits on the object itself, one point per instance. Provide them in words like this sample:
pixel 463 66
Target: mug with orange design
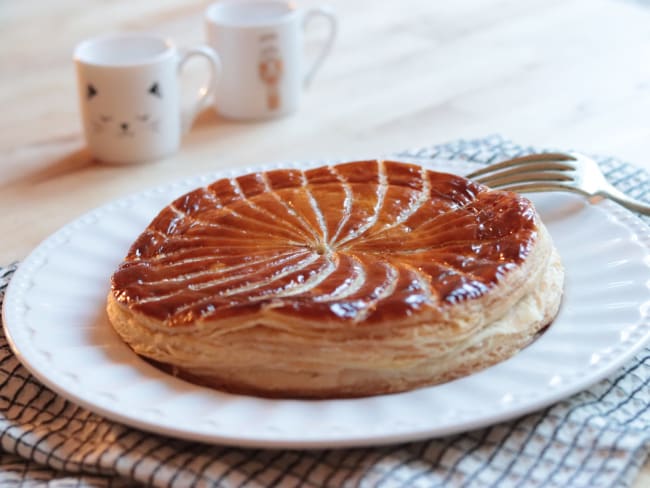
pixel 260 44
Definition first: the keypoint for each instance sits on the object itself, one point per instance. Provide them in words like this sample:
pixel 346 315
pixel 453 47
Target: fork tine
pixel 534 187
pixel 530 169
pixel 513 176
pixel 531 158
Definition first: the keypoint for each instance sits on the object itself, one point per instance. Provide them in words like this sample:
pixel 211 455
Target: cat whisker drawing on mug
pixel 154 126
pixel 97 126
pixel 148 123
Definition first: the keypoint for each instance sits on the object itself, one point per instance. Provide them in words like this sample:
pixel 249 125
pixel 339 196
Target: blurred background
pixel 548 72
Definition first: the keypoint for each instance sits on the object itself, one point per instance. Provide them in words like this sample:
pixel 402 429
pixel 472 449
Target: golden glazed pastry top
pixel 363 243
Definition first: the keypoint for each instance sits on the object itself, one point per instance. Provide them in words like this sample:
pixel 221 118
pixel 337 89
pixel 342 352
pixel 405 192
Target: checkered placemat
pixel 597 438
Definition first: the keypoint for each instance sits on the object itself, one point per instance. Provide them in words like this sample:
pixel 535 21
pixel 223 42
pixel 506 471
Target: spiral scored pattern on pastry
pixel 350 280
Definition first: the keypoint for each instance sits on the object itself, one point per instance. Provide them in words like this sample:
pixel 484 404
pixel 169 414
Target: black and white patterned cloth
pixel 597 438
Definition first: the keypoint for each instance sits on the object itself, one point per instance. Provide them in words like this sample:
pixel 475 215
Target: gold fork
pixel 544 172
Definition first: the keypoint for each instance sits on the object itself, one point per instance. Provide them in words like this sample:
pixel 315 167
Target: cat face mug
pixel 260 43
pixel 129 95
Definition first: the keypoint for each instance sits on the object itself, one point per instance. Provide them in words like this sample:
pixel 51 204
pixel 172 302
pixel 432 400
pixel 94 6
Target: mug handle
pixel 328 15
pixel 206 93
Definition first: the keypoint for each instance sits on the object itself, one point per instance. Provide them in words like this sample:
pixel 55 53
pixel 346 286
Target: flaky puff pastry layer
pixel 352 280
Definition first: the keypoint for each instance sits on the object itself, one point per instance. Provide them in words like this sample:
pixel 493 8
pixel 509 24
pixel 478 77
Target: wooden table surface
pixel 561 73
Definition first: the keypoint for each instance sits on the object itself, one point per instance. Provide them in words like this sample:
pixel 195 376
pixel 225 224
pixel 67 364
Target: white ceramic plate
pixel 55 321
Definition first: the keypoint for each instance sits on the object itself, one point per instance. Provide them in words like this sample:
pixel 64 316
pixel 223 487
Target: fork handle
pixel 621 198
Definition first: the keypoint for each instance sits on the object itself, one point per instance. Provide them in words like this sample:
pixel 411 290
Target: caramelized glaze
pixel 358 242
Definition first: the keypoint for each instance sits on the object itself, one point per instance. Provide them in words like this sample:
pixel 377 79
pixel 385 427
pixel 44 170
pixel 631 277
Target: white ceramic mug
pixel 260 43
pixel 129 93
